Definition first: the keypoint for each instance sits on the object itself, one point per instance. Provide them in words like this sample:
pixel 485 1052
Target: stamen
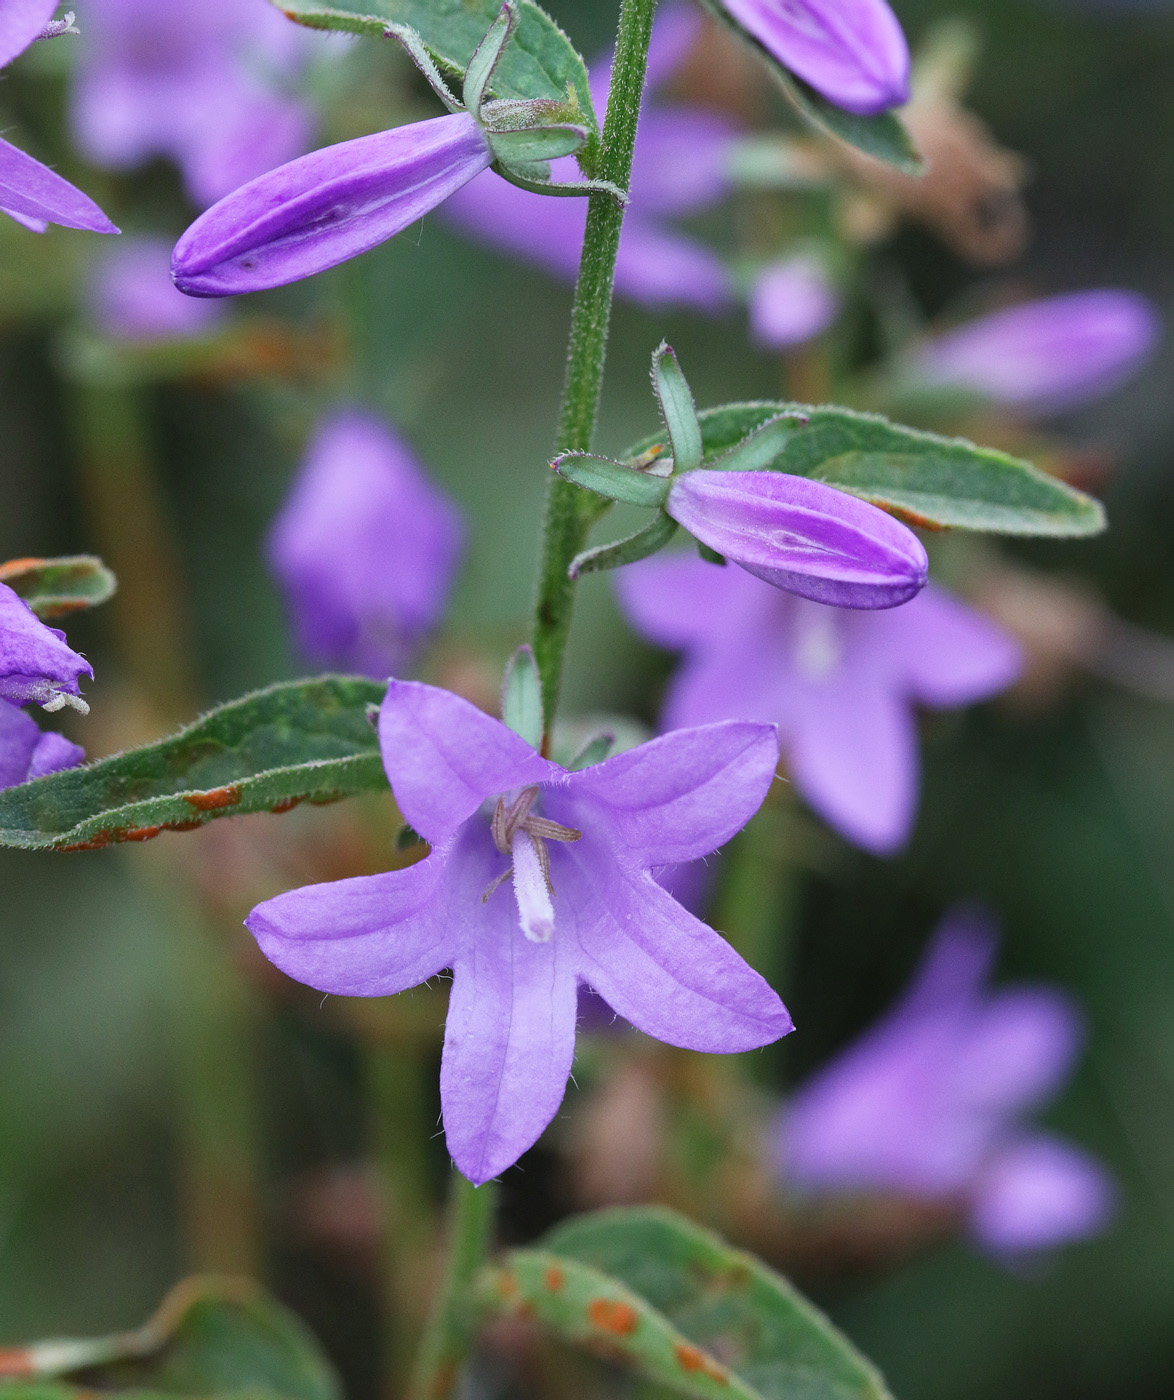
pixel 63 698
pixel 532 888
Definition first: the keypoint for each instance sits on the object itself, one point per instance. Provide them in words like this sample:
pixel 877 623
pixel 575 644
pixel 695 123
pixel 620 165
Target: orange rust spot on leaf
pixel 140 833
pixel 15 1361
pixel 611 1316
pixel 95 843
pixel 555 1278
pixel 214 799
pixel 693 1359
pixel 7 569
pixel 287 804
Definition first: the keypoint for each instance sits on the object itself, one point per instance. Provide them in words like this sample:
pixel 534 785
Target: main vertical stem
pixel 569 510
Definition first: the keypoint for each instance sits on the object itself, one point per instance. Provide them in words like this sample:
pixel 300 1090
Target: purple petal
pixel 676 600
pixel 444 757
pixel 21 22
pixel 791 301
pixel 370 936
pixel 659 967
pixel 132 296
pixel 802 536
pixel 658 267
pixel 852 51
pixel 1018 1049
pixel 326 207
pixel 31 191
pixel 28 752
pixel 681 796
pixel 950 653
pixel 365 547
pixel 1047 355
pixel 1038 1193
pixel 35 663
pixel 955 966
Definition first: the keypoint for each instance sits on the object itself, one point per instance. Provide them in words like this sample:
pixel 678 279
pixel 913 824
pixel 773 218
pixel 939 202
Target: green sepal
pixel 594 751
pixel 55 587
pixel 644 542
pixel 760 448
pixel 521 697
pixel 407 837
pixel 711 556
pixel 486 57
pixel 418 52
pixel 615 480
pixel 540 143
pixel 575 189
pixel 677 409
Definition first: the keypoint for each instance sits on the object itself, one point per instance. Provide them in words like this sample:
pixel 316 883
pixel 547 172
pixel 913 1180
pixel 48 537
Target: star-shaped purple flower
pixel 841 685
pixel 931 1102
pixel 36 665
pixel 578 849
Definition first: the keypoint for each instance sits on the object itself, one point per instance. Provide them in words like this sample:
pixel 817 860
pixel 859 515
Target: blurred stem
pixel 452 1326
pixel 569 509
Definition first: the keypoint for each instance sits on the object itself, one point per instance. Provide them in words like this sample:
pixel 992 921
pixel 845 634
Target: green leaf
pixel 302 741
pixel 921 477
pixel 539 61
pixel 486 57
pixel 54 587
pixel 677 408
pixel 760 448
pixel 212 1337
pixel 650 1289
pixel 626 551
pixel 521 697
pixel 615 480
pixel 540 144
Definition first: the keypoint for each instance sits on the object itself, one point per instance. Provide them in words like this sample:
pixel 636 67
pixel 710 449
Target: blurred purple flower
pixel 851 51
pixel 840 685
pixel 365 548
pixel 802 536
pixel 132 296
pixel 331 205
pixel 202 82
pixel 30 192
pixel 1046 355
pixel 930 1103
pixel 579 847
pixel 791 301
pixel 27 752
pixel 36 665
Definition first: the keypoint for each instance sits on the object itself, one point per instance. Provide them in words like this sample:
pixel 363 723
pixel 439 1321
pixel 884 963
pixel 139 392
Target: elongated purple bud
pixel 851 51
pixel 802 536
pixel 327 207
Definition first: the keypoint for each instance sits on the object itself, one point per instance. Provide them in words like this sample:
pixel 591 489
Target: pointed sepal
pixel 615 480
pixel 758 451
pixel 521 697
pixel 676 408
pixel 486 57
pixel 626 551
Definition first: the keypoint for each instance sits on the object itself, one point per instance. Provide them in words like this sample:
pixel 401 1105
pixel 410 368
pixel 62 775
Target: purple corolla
pixel 577 849
pixel 791 300
pixel 930 1103
pixel 30 192
pixel 851 51
pixel 133 298
pixel 27 752
pixel 36 665
pixel 365 548
pixel 840 685
pixel 1047 355
pixel 801 536
pixel 203 82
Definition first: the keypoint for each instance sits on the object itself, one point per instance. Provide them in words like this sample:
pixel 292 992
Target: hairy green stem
pixel 570 510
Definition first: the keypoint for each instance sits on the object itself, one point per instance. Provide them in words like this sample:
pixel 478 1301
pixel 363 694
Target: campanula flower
pixel 791 300
pixel 538 881
pixel 36 665
pixel 851 51
pixel 27 752
pixel 132 296
pixel 931 1103
pixel 30 192
pixel 1047 355
pixel 205 83
pixel 801 536
pixel 364 547
pixel 840 685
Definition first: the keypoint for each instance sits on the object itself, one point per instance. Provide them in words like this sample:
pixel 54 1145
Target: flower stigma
pixel 522 835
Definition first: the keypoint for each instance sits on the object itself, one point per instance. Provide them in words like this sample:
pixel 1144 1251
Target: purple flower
pixel 791 301
pixel 199 81
pixel 802 536
pixel 365 548
pixel 329 206
pixel 132 296
pixel 30 192
pixel 840 685
pixel 1046 355
pixel 583 908
pixel 930 1103
pixel 851 51
pixel 27 751
pixel 35 663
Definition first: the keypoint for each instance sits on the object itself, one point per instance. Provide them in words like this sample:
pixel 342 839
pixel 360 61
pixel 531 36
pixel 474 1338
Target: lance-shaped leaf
pixel 973 488
pixel 303 741
pixel 539 60
pixel 521 697
pixel 615 480
pixel 883 137
pixel 759 449
pixel 649 1289
pixel 55 587
pixel 676 408
pixel 626 551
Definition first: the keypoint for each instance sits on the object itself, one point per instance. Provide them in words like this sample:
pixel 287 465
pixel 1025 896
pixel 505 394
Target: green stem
pixel 570 510
pixel 453 1322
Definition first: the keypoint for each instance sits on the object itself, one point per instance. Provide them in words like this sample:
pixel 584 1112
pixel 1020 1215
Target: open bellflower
pixel 538 881
pixel 30 192
pixel 36 665
pixel 1047 355
pixel 364 547
pixel 27 751
pixel 840 685
pixel 931 1104
pixel 851 51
